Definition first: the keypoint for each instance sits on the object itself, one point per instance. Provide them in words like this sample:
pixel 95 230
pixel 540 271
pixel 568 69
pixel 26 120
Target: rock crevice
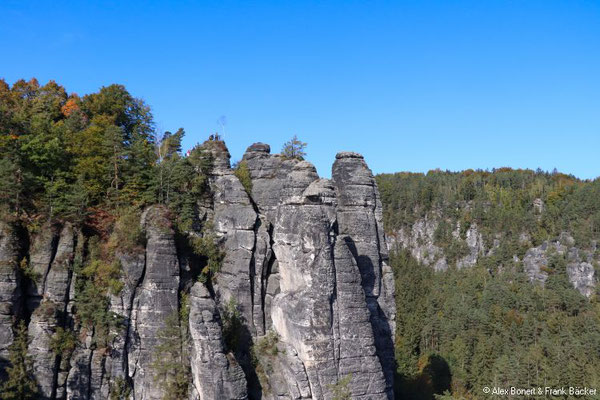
pixel 304 270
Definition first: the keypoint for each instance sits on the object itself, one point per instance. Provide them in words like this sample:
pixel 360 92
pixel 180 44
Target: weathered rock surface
pixel 419 239
pixel 155 299
pixel 359 216
pixel 10 288
pixel 579 263
pixel 234 221
pixel 353 331
pixel 51 262
pixel 305 268
pixel 216 375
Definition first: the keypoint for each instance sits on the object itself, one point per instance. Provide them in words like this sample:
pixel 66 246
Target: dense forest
pixel 503 202
pixel 460 330
pixel 75 158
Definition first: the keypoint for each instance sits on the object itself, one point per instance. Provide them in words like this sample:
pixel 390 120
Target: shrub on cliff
pixel 169 365
pixel 20 384
pixel 243 174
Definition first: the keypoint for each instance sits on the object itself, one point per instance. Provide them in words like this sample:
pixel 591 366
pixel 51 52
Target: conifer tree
pixel 294 148
pixel 20 384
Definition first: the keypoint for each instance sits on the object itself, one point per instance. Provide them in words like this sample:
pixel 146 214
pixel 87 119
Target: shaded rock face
pixel 419 240
pixel 10 288
pixel 216 374
pixel 305 270
pixel 359 215
pixel 155 299
pixel 51 261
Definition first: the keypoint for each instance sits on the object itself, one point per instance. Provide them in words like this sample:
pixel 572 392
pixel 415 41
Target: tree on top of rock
pixel 294 148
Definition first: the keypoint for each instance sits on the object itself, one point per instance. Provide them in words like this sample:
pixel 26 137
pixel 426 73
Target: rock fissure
pixel 302 283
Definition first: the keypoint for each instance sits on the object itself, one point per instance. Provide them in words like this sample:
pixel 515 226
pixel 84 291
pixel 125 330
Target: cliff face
pixel 304 288
pixel 419 239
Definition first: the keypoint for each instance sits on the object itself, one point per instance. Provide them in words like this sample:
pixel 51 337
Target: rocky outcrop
pixel 117 365
pixel 304 275
pixel 302 312
pixel 10 288
pixel 359 351
pixel 216 374
pixel 579 263
pixel 51 263
pixel 327 320
pixel 155 299
pixel 359 216
pixel 234 221
pixel 419 239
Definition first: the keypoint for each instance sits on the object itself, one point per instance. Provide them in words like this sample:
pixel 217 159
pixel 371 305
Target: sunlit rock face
pixel 304 268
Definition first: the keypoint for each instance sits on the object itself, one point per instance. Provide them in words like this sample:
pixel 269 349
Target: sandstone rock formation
pixel 304 270
pixel 10 285
pixel 419 239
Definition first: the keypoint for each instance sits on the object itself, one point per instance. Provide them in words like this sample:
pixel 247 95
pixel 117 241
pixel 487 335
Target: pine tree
pixel 169 365
pixel 294 148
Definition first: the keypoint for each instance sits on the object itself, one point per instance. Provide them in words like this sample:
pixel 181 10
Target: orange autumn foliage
pixel 69 107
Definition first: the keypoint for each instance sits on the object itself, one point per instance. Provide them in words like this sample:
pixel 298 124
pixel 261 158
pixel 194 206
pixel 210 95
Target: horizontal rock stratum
pixel 304 273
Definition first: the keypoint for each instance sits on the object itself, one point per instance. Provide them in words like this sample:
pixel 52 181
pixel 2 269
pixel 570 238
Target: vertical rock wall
pixel 359 216
pixel 10 285
pixel 305 268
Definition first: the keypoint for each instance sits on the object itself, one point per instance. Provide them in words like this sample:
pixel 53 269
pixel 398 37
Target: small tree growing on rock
pixel 294 148
pixel 340 390
pixel 20 384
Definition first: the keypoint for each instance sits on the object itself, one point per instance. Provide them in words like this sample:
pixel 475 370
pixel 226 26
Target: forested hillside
pixel 503 203
pixel 69 157
pixel 496 279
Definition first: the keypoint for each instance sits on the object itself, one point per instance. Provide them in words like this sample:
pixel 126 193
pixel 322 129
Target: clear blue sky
pixel 412 85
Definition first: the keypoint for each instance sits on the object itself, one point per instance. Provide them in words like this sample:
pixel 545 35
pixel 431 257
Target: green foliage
pixel 184 309
pixel 28 271
pixel 105 275
pixel 120 389
pixel 183 181
pixel 170 366
pixel 453 248
pixel 61 154
pixel 268 344
pixel 294 149
pixel 488 325
pixel 20 384
pixel 92 311
pixel 243 174
pixel 169 164
pixel 96 278
pixel 70 158
pixel 63 342
pixel 340 389
pixel 128 235
pixel 208 249
pixel 448 396
pixel 232 325
pixel 500 202
pixel 262 356
pixel 461 330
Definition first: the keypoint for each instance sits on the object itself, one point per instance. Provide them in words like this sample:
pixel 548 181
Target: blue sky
pixel 412 86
